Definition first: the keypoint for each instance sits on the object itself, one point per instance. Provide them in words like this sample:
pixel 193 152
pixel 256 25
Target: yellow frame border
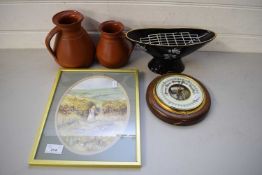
pixel 33 161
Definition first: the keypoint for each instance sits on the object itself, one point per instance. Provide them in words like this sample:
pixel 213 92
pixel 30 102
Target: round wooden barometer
pixel 178 99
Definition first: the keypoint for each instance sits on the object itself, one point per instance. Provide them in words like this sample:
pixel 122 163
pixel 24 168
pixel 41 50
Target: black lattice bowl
pixel 168 46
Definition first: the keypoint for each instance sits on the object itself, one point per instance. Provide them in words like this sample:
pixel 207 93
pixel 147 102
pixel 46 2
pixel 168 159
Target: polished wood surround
pixel 173 116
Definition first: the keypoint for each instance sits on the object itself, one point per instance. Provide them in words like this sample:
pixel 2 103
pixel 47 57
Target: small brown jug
pixel 113 49
pixel 73 47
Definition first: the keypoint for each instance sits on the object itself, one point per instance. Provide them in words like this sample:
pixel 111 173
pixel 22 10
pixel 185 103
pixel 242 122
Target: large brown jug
pixel 72 47
pixel 113 49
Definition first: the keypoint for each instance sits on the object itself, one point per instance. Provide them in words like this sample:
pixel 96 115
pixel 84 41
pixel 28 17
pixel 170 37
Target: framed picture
pixel 92 119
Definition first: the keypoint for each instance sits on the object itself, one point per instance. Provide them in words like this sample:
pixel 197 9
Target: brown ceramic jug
pixel 113 49
pixel 73 47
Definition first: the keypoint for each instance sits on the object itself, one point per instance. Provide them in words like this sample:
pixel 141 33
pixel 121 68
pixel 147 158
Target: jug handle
pixel 49 36
pixel 131 46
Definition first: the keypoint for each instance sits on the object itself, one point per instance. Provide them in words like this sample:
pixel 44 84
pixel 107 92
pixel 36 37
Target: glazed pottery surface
pixel 73 47
pixel 113 49
pixel 168 46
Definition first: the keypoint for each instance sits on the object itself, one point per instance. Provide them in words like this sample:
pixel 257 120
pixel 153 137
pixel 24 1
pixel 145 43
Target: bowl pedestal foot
pixel 163 66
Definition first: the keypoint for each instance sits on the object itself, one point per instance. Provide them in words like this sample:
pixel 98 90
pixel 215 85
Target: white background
pixel 24 24
pixel 227 142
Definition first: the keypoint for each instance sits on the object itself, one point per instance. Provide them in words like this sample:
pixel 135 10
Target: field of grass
pixel 90 121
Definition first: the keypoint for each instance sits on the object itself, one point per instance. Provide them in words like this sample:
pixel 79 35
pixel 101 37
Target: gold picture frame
pixel 92 119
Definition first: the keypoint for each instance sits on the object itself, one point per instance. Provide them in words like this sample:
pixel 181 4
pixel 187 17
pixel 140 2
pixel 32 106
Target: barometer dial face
pixel 178 99
pixel 179 92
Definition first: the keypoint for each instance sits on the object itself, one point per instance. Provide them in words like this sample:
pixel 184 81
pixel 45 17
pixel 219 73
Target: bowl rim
pixel 158 28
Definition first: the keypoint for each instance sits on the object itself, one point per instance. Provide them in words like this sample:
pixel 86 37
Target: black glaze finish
pixel 162 66
pixel 168 58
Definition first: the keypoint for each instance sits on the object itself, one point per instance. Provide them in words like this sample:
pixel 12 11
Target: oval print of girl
pixel 92 115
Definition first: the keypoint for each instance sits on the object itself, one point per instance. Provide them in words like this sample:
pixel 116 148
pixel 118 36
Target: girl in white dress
pixel 91 115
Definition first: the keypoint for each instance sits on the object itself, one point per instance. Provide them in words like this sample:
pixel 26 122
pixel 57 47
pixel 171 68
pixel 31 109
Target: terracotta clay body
pixel 113 49
pixel 73 47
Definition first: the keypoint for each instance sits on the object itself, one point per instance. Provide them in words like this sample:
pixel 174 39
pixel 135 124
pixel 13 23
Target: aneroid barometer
pixel 178 99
